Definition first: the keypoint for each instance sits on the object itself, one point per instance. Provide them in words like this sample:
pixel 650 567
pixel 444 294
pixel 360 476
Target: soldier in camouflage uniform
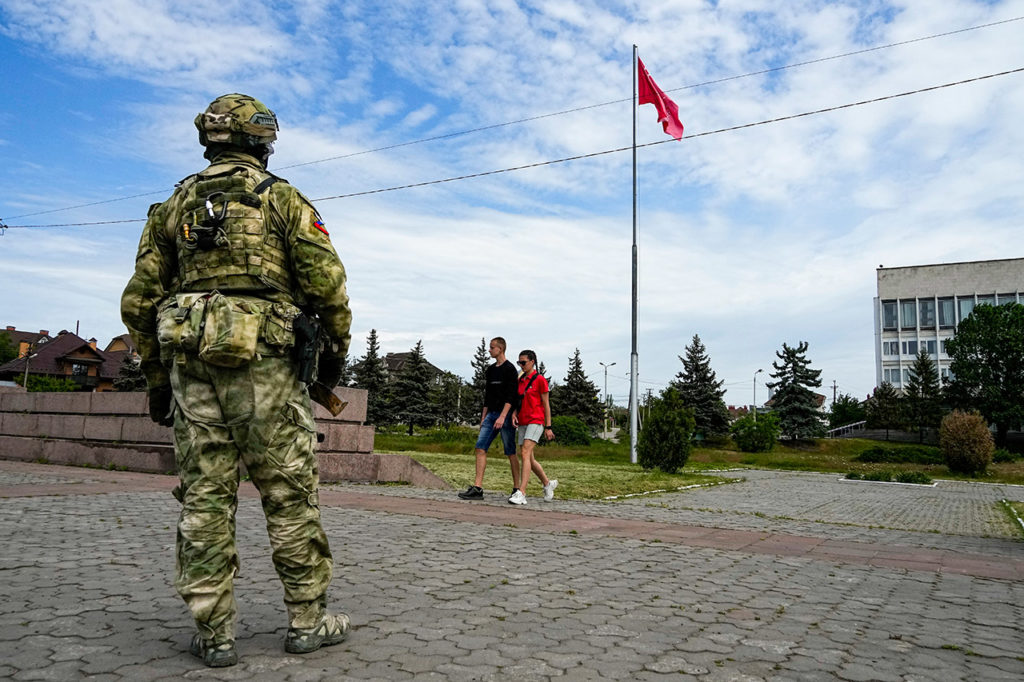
pixel 224 268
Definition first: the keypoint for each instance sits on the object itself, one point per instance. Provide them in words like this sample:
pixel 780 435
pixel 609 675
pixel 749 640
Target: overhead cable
pixel 557 113
pixel 577 157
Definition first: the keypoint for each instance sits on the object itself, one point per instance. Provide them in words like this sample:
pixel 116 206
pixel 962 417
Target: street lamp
pixel 754 406
pixel 605 433
pixel 27 358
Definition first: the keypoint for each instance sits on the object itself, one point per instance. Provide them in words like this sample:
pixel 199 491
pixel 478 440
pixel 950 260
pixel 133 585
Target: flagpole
pixel 633 376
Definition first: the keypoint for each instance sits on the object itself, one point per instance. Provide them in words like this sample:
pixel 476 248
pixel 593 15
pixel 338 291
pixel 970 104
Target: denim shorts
pixel 530 432
pixel 488 433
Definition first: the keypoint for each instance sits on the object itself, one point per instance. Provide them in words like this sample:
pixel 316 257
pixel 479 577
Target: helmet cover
pixel 238 120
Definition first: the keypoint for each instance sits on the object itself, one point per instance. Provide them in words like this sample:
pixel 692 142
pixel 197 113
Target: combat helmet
pixel 237 120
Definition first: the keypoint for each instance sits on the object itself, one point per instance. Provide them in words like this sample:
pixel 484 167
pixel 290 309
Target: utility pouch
pixel 179 325
pixel 231 331
pixel 278 326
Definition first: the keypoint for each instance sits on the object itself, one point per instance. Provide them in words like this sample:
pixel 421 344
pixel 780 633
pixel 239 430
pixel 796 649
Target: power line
pixel 559 113
pixel 614 151
pixel 685 137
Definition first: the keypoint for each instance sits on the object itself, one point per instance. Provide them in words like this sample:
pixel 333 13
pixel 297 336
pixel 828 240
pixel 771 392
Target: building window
pixel 892 376
pixel 906 376
pixel 927 307
pixel 929 346
pixel 947 318
pixel 943 346
pixel 908 314
pixel 890 348
pixel 79 369
pixel 910 347
pixel 1003 299
pixel 888 314
pixel 966 306
pixel 987 300
pixel 945 374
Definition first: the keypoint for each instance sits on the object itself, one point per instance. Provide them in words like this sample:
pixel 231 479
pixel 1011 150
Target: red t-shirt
pixel 532 411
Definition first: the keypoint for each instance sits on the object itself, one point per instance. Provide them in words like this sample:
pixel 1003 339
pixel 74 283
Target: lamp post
pixel 754 406
pixel 27 358
pixel 605 432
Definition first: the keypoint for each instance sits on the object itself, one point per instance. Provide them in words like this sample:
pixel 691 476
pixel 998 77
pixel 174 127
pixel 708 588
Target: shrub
pixel 756 436
pixel 883 475
pixel 570 430
pixel 913 477
pixel 1002 456
pixel 966 442
pixel 853 476
pixel 665 437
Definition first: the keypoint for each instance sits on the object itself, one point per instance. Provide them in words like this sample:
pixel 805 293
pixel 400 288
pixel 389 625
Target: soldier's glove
pixel 330 368
pixel 160 405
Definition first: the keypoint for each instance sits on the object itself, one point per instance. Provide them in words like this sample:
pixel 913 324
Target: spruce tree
pixel 794 402
pixel 481 360
pixel 371 375
pixel 410 400
pixel 577 395
pixel 129 375
pixel 923 395
pixel 700 391
pixel 884 409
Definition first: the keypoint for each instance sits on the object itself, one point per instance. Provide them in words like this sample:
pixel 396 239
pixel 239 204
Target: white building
pixel 918 307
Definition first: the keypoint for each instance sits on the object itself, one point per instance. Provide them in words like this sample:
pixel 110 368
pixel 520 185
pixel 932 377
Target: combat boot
pixel 214 655
pixel 312 627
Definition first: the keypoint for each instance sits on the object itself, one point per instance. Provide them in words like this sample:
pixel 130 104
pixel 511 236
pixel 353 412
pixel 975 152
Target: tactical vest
pixel 224 237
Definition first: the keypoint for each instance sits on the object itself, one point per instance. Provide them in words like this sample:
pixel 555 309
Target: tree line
pixel 418 396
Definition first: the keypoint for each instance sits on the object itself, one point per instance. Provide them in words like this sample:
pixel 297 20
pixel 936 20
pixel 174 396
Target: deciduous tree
pixel 987 365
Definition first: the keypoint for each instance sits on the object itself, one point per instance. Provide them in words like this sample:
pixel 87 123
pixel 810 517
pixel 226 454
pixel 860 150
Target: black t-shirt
pixel 502 386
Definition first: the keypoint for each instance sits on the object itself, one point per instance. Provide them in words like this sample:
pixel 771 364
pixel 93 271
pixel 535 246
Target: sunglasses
pixel 522 363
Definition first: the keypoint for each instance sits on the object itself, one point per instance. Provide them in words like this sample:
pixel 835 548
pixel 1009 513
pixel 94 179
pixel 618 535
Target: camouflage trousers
pixel 260 414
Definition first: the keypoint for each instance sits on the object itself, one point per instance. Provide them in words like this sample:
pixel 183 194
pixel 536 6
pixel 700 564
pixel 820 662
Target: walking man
pixel 229 269
pixel 496 418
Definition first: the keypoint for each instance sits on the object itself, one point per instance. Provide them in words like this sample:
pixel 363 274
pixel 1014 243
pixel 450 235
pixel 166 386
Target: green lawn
pixel 603 468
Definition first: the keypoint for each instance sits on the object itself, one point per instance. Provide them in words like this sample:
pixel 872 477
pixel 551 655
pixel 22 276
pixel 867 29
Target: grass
pixel 592 472
pixel 603 468
pixel 839 456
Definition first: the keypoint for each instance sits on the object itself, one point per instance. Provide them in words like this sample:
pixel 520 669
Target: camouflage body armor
pixel 222 241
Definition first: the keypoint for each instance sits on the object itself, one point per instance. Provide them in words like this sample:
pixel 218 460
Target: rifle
pixel 309 343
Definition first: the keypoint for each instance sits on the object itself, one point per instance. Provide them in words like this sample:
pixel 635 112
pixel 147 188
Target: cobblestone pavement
pixel 88 594
pixel 952 515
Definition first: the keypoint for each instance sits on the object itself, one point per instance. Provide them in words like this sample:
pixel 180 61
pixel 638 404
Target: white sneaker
pixel 517 498
pixel 549 490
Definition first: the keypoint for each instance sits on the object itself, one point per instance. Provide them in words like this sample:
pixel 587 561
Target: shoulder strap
pixel 267 182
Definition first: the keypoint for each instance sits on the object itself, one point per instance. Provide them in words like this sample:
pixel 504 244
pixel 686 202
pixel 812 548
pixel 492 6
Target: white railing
pixel 841 431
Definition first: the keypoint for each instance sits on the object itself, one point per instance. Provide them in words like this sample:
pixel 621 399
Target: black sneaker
pixel 472 493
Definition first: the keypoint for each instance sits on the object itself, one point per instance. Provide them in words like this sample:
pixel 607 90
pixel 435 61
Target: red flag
pixel 649 93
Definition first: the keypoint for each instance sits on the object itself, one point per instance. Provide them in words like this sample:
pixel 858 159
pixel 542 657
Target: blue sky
pixel 749 238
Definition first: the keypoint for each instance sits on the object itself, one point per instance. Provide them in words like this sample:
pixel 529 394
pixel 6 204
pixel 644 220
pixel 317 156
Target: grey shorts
pixel 530 432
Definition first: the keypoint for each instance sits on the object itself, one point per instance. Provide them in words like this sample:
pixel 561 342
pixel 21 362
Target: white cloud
pixel 749 238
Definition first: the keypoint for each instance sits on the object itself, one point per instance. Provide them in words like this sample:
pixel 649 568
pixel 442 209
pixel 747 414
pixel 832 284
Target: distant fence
pixel 113 429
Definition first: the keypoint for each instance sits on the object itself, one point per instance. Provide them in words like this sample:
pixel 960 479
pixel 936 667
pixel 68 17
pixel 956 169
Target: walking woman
pixel 534 420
